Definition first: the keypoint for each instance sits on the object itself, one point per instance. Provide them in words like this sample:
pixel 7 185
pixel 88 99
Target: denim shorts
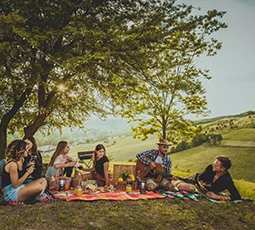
pixel 11 194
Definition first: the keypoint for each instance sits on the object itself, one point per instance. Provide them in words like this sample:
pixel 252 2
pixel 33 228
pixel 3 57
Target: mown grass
pixel 143 214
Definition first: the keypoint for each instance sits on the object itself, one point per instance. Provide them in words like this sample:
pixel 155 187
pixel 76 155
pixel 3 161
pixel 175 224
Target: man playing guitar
pixel 152 158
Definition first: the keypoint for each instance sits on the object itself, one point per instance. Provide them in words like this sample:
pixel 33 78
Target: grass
pixel 143 214
pixel 245 135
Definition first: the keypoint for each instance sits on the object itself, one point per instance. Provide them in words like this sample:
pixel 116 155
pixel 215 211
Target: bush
pixel 199 139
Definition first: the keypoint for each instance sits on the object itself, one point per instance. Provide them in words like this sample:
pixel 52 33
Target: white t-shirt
pixel 159 160
pixel 61 159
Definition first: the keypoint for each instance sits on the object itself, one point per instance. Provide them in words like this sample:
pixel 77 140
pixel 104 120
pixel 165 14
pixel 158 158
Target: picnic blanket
pixel 184 195
pixel 109 196
pixel 122 196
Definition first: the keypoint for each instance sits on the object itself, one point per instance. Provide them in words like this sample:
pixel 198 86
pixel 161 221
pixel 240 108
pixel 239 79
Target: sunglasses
pixel 165 146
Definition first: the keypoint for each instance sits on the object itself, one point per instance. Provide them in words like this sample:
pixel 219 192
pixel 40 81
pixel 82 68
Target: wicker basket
pixel 118 169
pixel 121 185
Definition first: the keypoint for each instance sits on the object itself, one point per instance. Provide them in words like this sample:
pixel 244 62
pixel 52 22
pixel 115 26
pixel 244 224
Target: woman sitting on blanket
pixel 33 157
pixel 15 174
pixel 99 171
pixel 60 163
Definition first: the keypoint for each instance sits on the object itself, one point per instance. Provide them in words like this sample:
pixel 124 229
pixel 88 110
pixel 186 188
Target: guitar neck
pixel 169 175
pixel 163 173
pixel 179 178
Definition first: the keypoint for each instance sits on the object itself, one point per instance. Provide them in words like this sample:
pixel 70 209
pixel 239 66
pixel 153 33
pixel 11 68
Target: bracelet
pixel 28 173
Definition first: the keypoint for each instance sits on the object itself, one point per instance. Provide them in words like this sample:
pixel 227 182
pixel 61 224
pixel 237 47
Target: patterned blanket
pixel 195 196
pixel 109 196
pixel 122 195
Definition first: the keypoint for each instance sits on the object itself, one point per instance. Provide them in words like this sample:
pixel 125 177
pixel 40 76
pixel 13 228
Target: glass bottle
pixel 129 185
pixel 79 191
pixel 138 179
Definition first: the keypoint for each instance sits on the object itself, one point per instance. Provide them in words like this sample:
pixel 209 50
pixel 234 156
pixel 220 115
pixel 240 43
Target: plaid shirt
pixel 152 154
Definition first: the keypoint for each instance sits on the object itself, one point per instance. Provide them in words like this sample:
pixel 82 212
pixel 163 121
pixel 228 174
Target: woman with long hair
pixel 14 175
pixel 33 157
pixel 99 171
pixel 60 161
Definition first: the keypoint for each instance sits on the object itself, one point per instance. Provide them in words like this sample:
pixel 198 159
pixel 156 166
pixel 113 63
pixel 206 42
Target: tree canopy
pixel 173 86
pixel 63 60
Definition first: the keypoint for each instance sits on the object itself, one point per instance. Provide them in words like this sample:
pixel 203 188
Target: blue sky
pixel 231 89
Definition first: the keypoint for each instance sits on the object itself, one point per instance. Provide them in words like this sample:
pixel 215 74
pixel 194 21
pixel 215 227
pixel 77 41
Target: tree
pixel 183 145
pixel 94 50
pixel 199 139
pixel 173 86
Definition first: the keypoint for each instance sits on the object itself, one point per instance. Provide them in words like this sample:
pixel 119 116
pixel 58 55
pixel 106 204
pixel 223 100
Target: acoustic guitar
pixel 157 173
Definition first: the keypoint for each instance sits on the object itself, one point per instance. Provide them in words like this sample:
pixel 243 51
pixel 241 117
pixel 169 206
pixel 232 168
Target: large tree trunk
pixel 3 140
pixel 31 129
pixel 7 118
pixel 43 103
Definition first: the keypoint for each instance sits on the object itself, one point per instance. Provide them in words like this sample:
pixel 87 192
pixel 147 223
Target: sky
pixel 232 87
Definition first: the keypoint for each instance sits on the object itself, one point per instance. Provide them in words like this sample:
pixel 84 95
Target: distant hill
pixel 209 120
pixel 112 124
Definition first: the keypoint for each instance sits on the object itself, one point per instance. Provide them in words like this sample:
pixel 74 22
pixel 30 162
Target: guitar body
pixel 147 173
pixel 158 173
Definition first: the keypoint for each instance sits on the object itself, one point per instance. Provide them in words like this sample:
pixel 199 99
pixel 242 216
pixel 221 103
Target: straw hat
pixel 163 142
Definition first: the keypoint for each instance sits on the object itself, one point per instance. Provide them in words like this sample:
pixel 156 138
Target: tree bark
pixel 7 118
pixel 3 140
pixel 31 129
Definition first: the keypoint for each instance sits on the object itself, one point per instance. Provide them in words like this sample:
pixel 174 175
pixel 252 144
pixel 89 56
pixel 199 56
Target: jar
pixel 78 191
pixel 128 188
pixel 62 183
pixel 72 190
pixel 143 188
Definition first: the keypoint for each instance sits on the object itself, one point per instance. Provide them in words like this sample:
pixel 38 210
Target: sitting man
pixel 158 156
pixel 213 180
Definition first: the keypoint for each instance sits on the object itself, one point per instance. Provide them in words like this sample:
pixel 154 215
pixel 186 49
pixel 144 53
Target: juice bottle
pixel 129 185
pixel 78 191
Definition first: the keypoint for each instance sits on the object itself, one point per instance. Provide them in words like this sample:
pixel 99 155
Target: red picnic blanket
pixel 109 196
